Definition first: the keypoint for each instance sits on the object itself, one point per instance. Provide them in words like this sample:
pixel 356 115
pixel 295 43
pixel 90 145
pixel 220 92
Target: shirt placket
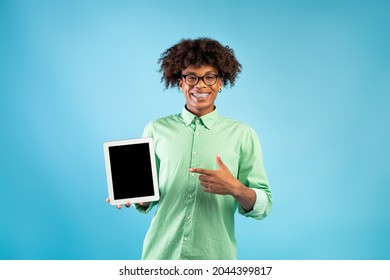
pixel 191 189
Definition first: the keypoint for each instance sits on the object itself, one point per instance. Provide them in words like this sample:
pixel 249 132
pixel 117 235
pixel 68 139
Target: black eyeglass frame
pixel 200 78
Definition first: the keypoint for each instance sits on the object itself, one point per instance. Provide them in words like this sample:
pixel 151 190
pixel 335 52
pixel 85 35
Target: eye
pixel 191 78
pixel 209 77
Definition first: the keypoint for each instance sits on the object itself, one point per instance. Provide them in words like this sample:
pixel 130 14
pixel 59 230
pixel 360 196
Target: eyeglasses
pixel 208 79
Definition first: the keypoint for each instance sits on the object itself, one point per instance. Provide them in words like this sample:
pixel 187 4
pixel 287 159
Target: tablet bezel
pixel 142 140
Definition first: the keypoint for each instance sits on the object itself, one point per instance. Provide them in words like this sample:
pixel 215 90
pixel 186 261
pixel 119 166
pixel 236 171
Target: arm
pixel 221 181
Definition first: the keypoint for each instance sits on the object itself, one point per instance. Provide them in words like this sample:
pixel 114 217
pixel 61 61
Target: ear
pixel 180 84
pixel 220 83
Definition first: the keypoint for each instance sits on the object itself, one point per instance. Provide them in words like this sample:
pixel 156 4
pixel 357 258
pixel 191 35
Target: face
pixel 200 98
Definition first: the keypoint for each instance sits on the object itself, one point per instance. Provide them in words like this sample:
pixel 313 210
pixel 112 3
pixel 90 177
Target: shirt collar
pixel 208 120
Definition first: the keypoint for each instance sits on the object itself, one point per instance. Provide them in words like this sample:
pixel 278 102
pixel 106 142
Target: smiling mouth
pixel 200 95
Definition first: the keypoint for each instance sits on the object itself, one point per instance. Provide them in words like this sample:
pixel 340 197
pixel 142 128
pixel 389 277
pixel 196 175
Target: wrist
pixel 237 189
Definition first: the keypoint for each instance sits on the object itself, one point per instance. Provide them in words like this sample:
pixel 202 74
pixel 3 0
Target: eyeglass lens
pixel 208 80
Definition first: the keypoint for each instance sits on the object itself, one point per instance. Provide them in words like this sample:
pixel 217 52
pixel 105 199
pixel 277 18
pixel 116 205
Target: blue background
pixel 315 86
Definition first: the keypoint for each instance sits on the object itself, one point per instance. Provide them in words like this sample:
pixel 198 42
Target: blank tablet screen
pixel 131 171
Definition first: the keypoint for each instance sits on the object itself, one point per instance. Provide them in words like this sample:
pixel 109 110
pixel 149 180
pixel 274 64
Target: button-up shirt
pixel 190 223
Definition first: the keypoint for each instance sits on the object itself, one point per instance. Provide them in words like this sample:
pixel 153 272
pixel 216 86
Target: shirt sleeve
pixel 148 132
pixel 252 174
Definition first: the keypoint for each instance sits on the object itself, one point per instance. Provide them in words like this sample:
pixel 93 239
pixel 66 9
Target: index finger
pixel 201 171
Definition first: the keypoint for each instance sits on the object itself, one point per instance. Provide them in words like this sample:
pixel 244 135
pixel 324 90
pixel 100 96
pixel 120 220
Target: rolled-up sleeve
pixel 252 174
pixel 261 208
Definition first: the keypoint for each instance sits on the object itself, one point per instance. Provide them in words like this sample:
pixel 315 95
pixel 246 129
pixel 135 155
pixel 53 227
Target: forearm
pixel 245 196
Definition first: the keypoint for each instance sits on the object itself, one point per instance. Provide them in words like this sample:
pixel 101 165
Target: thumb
pixel 219 161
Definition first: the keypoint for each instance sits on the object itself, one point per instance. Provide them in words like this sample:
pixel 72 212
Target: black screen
pixel 131 171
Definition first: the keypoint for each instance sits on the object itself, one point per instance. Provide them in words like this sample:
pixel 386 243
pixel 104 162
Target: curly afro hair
pixel 201 51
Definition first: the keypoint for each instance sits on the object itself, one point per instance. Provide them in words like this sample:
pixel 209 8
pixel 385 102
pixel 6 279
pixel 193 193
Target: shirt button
pixel 195 153
pixel 185 238
pixel 192 174
pixel 197 133
pixel 188 218
pixel 190 196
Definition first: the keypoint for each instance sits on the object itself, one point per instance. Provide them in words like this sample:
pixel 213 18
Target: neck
pixel 200 113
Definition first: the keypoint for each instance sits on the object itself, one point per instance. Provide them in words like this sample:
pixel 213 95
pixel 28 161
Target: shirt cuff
pixel 259 208
pixel 144 209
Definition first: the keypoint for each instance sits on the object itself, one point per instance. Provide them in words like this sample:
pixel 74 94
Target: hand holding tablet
pixel 131 171
pixel 128 204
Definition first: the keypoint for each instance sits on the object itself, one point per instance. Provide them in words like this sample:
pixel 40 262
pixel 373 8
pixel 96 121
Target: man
pixel 208 165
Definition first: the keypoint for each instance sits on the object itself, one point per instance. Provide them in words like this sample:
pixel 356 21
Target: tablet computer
pixel 131 170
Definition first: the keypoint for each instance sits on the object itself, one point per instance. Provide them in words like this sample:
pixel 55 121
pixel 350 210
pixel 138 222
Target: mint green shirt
pixel 189 223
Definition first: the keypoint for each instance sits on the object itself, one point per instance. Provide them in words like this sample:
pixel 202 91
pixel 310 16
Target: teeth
pixel 200 95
